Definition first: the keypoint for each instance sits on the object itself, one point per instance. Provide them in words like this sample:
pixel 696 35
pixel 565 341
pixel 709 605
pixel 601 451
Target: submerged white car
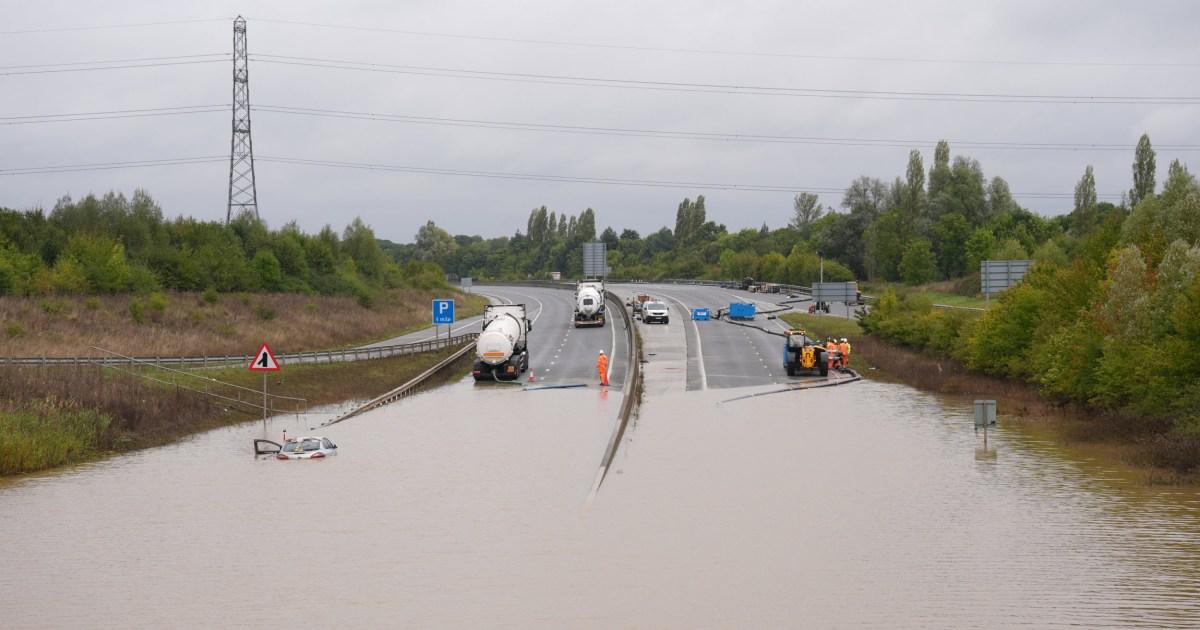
pixel 307 448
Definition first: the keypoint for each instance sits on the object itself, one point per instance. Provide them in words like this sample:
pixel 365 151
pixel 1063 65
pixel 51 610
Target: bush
pixel 54 307
pixel 264 312
pixel 158 302
pixel 136 311
pixel 14 330
pixel 210 296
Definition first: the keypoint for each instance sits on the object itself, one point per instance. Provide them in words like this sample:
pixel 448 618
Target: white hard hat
pixel 601 352
pixel 843 339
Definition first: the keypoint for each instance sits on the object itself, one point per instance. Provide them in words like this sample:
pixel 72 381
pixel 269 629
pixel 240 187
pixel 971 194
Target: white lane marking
pixel 699 345
pixel 541 306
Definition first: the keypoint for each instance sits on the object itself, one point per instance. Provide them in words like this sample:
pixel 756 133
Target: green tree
pixel 268 270
pixel 918 264
pixel 806 209
pixel 913 197
pixel 885 245
pixel 950 244
pixel 436 244
pixel 1143 171
pixel 1085 214
pixel 979 248
pixel 359 243
pixel 939 173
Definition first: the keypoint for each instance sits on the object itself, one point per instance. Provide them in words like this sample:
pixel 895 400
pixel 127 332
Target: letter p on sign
pixel 443 312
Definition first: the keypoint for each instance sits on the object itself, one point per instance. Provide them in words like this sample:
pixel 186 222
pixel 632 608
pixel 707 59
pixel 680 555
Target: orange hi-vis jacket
pixel 845 348
pixel 602 363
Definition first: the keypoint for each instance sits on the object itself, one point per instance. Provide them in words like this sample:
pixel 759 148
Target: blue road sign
pixel 443 312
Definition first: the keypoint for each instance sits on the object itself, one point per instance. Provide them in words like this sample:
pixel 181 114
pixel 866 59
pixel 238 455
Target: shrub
pixel 210 296
pixel 158 302
pixel 264 312
pixel 53 307
pixel 136 311
pixel 14 330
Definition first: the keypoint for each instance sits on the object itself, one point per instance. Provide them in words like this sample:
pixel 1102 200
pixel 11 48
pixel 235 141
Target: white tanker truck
pixel 501 351
pixel 589 304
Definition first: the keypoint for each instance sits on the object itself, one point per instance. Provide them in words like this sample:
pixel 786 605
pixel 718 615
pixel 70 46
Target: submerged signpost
pixel 985 415
pixel 264 361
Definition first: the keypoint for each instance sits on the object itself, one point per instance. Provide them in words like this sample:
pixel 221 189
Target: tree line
pixel 114 244
pixel 924 226
pixel 1114 323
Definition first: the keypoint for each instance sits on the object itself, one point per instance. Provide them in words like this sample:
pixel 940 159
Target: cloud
pixel 396 204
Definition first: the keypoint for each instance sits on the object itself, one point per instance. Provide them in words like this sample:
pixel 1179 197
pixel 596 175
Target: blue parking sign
pixel 443 312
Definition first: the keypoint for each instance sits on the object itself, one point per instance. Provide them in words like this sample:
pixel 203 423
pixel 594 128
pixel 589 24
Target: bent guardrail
pixel 404 390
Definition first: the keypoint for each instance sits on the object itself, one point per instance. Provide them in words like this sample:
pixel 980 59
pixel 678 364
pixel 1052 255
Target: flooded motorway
pixel 868 505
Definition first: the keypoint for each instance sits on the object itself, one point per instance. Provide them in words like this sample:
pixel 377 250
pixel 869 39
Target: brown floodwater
pixel 868 505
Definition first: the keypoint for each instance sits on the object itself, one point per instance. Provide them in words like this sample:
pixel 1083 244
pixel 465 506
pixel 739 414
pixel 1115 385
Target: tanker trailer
pixel 589 304
pixel 501 352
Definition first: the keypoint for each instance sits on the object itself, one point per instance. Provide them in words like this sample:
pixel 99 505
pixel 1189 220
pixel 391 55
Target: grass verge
pixel 197 324
pixel 54 416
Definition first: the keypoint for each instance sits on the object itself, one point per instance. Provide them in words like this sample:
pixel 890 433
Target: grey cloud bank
pixel 397 203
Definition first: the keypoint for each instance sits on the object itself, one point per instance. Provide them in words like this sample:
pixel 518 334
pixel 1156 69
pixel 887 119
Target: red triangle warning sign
pixel 264 361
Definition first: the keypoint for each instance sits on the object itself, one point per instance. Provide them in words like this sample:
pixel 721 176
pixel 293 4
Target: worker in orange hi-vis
pixel 844 346
pixel 830 348
pixel 602 368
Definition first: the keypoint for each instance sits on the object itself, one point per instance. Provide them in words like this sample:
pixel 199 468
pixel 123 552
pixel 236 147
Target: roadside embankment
pixel 54 416
pixel 1145 444
pixel 197 324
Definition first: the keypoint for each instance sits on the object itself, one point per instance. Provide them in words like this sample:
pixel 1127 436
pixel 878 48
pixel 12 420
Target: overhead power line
pixel 112 61
pixel 698 135
pixel 105 166
pixel 101 27
pixel 719 88
pixel 185 60
pixel 502 175
pixel 114 114
pixel 737 53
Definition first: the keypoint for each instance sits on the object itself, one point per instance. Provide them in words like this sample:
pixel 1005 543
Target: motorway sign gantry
pixel 595 260
pixel 443 312
pixel 264 361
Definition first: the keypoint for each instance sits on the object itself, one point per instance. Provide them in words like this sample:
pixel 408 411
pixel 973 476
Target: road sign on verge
pixel 264 361
pixel 835 292
pixel 443 312
pixel 997 275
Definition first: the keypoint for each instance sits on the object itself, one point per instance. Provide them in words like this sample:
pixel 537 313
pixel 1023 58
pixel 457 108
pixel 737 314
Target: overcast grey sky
pixel 1090 34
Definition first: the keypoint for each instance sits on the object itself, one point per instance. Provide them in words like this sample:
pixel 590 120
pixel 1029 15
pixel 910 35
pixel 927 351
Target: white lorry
pixel 589 303
pixel 501 352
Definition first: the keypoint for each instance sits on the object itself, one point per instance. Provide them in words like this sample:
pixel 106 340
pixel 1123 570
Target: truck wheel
pixel 823 366
pixel 791 369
